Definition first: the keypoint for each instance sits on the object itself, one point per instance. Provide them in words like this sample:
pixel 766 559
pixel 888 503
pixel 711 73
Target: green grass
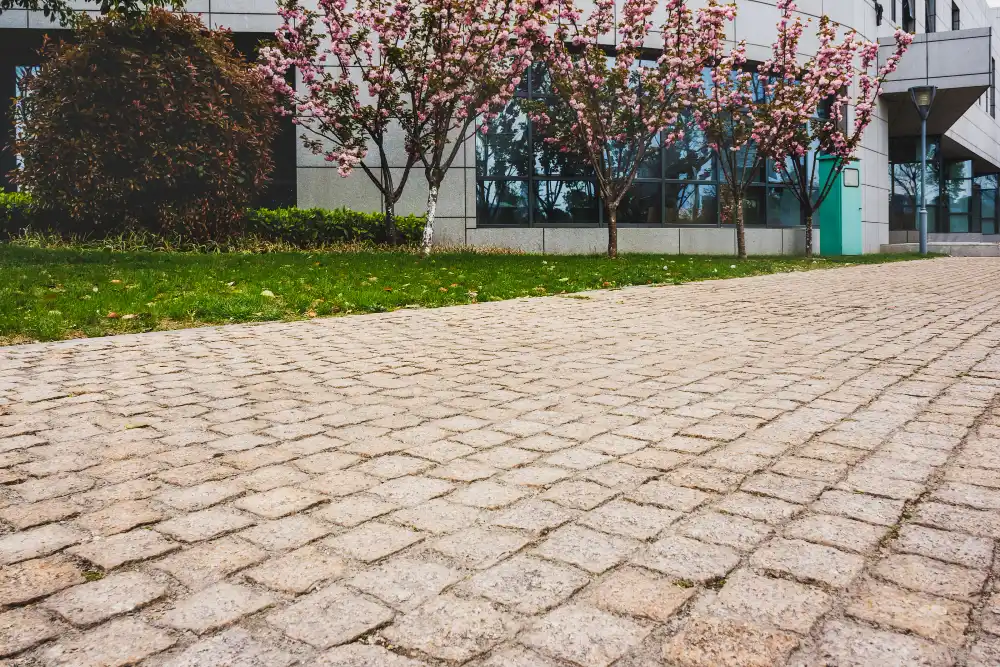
pixel 57 293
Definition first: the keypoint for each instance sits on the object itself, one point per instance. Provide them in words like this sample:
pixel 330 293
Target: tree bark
pixel 741 230
pixel 612 232
pixel 809 234
pixel 391 231
pixel 432 201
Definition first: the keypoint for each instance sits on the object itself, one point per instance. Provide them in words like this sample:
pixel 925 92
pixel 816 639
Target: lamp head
pixel 923 99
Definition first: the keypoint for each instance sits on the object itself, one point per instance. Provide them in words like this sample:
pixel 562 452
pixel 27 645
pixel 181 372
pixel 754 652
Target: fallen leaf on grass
pixel 268 293
pixel 112 315
pixel 116 282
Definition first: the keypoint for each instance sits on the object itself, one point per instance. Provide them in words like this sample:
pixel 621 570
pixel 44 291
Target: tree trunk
pixel 741 230
pixel 432 202
pixel 391 231
pixel 809 234
pixel 612 232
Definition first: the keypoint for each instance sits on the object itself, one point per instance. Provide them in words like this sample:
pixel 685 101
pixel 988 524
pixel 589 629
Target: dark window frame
pixel 956 17
pixel 930 16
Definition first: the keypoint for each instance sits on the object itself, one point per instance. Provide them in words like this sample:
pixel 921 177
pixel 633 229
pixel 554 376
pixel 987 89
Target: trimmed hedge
pixel 300 227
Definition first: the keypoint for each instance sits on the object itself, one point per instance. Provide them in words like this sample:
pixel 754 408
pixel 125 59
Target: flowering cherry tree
pixel 809 104
pixel 429 70
pixel 729 110
pixel 615 104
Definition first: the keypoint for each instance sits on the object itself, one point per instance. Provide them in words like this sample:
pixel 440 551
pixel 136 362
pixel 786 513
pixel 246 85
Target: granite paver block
pixel 951 547
pixel 527 584
pixel 117 550
pixel 662 494
pixel 935 618
pixel 28 580
pixel 279 502
pixel 405 583
pixel 287 533
pixel 686 559
pixel 578 494
pixel 857 645
pixel 584 635
pixel 298 571
pixel 208 562
pixel 37 542
pixel 215 607
pixel 330 616
pixel 99 600
pixel 836 531
pixel 635 593
pixel 619 517
pixel 234 648
pixel 932 576
pixel 436 516
pixel 587 549
pixel 205 524
pixel 450 628
pixel 23 628
pixel 478 547
pixel 715 642
pixel 363 655
pixel 778 602
pixel 372 541
pixel 863 507
pixel 808 562
pixel 737 532
pixel 533 515
pixel 125 641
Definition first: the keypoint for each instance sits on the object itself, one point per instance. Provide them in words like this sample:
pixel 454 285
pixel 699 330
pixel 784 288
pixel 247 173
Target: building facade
pixel 509 189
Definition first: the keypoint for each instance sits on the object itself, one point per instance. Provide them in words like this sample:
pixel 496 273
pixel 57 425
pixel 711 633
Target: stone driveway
pixel 797 469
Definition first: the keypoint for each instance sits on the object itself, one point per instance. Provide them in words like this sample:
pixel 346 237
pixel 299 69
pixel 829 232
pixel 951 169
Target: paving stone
pixel 37 542
pixel 860 506
pixel 584 635
pixel 935 618
pixel 715 642
pixel 338 483
pixel 656 459
pixel 526 584
pixel 618 517
pixel 363 655
pixel 405 583
pixel 881 485
pixel 932 576
pixel 587 549
pixel 984 653
pixel 808 562
pixel 215 607
pixel 958 548
pixel 982 523
pixel 124 548
pixel 299 570
pixel 29 580
pixel 437 516
pixel 120 517
pixel 331 616
pixel 635 593
pixel 790 489
pixel 372 541
pixel 990 618
pixel 125 641
pixel 686 559
pixel 288 533
pixel 234 648
pixel 706 479
pixel 208 562
pixel 759 508
pixel 614 445
pixel 99 600
pixel 733 531
pixel 533 515
pixel 506 457
pixel 23 628
pixel 539 476
pixel 205 524
pixel 36 514
pixel 450 628
pixel 516 657
pixel 662 494
pixel 463 470
pixel 778 602
pixel 279 502
pixel 835 531
pixel 53 486
pixel 478 548
pixel 617 475
pixel 854 645
pixel 578 495
pixel 410 491
pixel 487 495
pixel 271 477
pixel 977 497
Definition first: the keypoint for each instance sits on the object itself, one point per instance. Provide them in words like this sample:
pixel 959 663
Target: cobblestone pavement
pixel 796 469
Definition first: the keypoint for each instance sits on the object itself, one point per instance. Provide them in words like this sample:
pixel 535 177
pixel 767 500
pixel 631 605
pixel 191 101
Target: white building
pixel 523 197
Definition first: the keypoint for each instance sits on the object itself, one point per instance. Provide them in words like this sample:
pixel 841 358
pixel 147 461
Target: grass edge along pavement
pixel 61 293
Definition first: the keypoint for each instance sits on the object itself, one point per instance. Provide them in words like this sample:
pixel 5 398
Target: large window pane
pixel 549 161
pixel 561 202
pixel 691 204
pixel 690 158
pixel 502 202
pixel 503 149
pixel 783 208
pixel 641 204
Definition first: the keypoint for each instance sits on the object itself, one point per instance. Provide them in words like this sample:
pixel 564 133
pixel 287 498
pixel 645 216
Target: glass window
pixel 688 204
pixel 642 204
pixel 566 202
pixel 689 159
pixel 502 202
pixel 956 17
pixel 930 17
pixel 502 151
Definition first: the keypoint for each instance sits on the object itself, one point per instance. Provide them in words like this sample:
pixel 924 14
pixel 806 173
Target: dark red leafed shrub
pixel 153 123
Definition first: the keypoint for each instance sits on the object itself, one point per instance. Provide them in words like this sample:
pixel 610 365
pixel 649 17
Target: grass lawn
pixel 51 294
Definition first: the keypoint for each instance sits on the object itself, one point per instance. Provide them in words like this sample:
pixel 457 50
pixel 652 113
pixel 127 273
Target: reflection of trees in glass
pixel 690 158
pixel 502 152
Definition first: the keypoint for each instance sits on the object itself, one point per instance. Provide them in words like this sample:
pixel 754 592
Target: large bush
pixel 153 123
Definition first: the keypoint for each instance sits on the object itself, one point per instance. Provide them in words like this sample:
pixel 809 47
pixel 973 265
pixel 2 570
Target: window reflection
pixel 641 205
pixel 503 149
pixel 691 204
pixel 502 202
pixel 562 202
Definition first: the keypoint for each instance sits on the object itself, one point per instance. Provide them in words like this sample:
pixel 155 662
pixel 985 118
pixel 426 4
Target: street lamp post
pixel 923 99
